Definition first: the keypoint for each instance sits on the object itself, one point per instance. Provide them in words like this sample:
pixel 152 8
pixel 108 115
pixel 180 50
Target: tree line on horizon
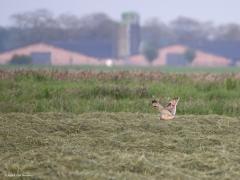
pixel 41 25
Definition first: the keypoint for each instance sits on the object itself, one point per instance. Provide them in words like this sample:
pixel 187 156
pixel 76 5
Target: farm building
pixel 176 55
pixel 42 53
pixel 225 48
pixel 138 60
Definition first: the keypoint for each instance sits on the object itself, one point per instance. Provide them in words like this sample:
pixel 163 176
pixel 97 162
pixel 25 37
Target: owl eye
pixel 154 101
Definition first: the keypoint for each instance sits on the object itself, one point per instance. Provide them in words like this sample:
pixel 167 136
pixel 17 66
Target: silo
pixel 129 35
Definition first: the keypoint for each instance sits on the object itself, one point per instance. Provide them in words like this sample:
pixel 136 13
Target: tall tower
pixel 129 35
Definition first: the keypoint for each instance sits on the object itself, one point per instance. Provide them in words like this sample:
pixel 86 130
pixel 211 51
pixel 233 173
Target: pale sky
pixel 217 11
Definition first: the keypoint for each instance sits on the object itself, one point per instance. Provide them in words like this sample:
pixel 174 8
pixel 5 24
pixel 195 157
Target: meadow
pixel 99 124
pixel 31 91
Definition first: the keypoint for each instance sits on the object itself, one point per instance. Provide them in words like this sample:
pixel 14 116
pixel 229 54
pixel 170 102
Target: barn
pixel 46 54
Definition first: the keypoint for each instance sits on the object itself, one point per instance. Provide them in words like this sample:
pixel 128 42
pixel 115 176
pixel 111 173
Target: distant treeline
pixel 42 25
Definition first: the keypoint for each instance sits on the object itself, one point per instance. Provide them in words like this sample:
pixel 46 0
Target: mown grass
pixel 118 146
pixel 86 91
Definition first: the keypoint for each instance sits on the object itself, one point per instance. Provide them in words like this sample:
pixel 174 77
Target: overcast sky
pixel 217 11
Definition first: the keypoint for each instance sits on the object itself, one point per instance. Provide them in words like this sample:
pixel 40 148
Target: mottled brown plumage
pixel 169 111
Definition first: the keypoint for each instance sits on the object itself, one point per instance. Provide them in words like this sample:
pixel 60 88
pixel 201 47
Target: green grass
pixel 119 146
pixel 86 91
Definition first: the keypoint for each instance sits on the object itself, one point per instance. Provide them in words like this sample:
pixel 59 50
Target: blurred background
pixel 120 33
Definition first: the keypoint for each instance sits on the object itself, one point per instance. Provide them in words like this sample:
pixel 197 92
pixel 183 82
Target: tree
pixel 34 19
pixel 21 60
pixel 229 32
pixel 35 26
pixel 191 29
pixel 190 55
pixel 157 32
pixel 98 25
pixel 68 21
pixel 149 51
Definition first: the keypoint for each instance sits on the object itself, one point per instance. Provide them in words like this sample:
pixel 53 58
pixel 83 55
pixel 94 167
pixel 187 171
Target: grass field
pixel 87 124
pixel 119 146
pixel 123 91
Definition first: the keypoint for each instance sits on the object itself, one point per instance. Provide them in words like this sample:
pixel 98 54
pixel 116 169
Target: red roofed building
pixel 42 53
pixel 138 60
pixel 175 55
